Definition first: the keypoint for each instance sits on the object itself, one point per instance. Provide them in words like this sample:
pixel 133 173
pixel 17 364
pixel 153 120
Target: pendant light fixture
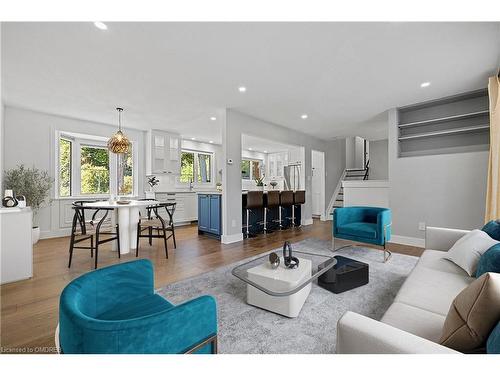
pixel 119 143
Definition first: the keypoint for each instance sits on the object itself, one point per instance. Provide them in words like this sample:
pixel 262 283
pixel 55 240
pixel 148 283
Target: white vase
pixel 35 235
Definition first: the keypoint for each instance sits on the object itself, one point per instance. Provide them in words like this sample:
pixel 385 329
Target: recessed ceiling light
pixel 425 84
pixel 242 89
pixel 249 149
pixel 213 118
pixel 304 116
pixel 193 138
pixel 100 25
pixel 210 141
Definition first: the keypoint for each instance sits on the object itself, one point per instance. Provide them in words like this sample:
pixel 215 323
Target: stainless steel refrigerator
pixel 291 174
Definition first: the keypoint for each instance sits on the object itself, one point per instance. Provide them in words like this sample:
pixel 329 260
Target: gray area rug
pixel 248 329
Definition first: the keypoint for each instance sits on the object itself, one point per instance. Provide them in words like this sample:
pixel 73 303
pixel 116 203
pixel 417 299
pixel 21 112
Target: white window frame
pixel 261 162
pixel 78 140
pixel 195 168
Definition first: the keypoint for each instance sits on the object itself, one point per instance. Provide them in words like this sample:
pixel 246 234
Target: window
pixel 187 167
pixel 125 174
pixel 85 167
pixel 196 167
pixel 245 169
pixel 204 168
pixel 65 147
pixel 94 169
pixel 250 169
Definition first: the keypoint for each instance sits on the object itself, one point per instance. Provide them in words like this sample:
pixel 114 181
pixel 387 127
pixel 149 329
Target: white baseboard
pixel 410 241
pixel 307 221
pixel 63 232
pixel 231 238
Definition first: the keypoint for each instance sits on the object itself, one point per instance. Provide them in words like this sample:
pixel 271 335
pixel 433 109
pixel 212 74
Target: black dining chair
pixel 156 222
pixel 98 229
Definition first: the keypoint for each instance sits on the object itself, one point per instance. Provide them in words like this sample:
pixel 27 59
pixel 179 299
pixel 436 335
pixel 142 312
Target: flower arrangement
pixel 153 181
pixel 259 181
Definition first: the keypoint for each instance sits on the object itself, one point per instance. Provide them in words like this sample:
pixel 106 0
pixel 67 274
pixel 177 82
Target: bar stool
pixel 272 201
pixel 255 200
pixel 299 198
pixel 286 201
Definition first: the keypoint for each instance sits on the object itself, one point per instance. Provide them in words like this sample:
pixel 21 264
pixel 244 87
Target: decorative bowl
pixel 274 260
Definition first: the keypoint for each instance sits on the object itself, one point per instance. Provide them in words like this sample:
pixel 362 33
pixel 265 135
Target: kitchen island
pixel 256 218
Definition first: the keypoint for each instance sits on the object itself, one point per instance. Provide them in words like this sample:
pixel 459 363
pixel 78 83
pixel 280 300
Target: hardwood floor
pixel 29 309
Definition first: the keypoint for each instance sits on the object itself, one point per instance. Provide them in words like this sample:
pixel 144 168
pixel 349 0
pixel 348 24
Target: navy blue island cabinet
pixel 210 214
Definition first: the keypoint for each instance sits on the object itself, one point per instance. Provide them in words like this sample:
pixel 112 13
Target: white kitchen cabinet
pixel 276 162
pixel 186 209
pixel 163 154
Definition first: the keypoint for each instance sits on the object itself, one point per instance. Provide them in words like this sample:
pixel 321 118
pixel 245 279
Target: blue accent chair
pixel 115 310
pixel 363 224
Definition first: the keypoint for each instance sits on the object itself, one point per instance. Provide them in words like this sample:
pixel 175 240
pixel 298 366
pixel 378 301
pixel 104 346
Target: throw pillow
pixel 493 229
pixel 466 252
pixel 489 261
pixel 473 314
pixel 493 343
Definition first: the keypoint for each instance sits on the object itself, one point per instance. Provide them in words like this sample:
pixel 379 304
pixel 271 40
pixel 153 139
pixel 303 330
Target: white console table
pixel 16 246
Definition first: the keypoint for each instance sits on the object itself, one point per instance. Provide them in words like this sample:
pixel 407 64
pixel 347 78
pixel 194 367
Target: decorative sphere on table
pixel 274 260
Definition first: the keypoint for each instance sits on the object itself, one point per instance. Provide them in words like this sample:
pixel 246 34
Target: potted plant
pixel 152 182
pixel 35 185
pixel 259 181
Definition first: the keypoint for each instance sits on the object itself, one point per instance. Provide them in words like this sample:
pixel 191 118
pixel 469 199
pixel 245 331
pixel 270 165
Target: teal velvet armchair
pixel 115 310
pixel 363 224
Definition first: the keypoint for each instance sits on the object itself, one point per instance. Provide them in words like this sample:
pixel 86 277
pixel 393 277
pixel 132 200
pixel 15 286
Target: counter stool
pixel 272 201
pixel 299 198
pixel 286 201
pixel 255 200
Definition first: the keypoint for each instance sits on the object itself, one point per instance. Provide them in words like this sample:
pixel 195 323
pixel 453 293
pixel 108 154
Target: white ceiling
pixel 176 75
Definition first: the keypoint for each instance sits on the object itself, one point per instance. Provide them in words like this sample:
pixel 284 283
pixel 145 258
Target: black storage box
pixel 347 274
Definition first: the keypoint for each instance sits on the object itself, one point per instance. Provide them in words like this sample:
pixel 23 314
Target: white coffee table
pixel 281 290
pixel 280 279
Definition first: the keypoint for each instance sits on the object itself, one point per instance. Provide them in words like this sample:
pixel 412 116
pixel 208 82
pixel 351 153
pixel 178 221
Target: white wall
pixel 354 150
pixel 29 138
pixel 236 124
pixel 440 190
pixel 1 118
pixel 379 159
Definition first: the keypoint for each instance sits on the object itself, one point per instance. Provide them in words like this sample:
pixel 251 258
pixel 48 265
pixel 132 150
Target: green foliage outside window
pixel 64 167
pixel 94 170
pixel 245 169
pixel 125 174
pixel 187 167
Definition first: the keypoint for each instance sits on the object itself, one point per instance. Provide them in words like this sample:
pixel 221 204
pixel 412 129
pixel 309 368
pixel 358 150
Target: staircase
pixel 349 175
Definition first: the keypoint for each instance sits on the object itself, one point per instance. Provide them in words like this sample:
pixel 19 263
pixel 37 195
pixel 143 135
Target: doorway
pixel 318 184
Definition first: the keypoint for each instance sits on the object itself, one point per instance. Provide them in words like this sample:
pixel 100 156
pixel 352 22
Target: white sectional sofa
pixel 414 322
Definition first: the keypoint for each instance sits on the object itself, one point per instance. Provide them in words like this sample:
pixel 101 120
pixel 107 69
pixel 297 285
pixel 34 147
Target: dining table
pixel 127 217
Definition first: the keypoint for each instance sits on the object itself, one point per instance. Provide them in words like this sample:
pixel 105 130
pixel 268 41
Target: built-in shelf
pixel 454 124
pixel 444 119
pixel 469 129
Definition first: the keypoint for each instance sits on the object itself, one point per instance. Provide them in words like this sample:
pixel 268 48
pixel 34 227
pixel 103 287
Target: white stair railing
pixel 334 196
